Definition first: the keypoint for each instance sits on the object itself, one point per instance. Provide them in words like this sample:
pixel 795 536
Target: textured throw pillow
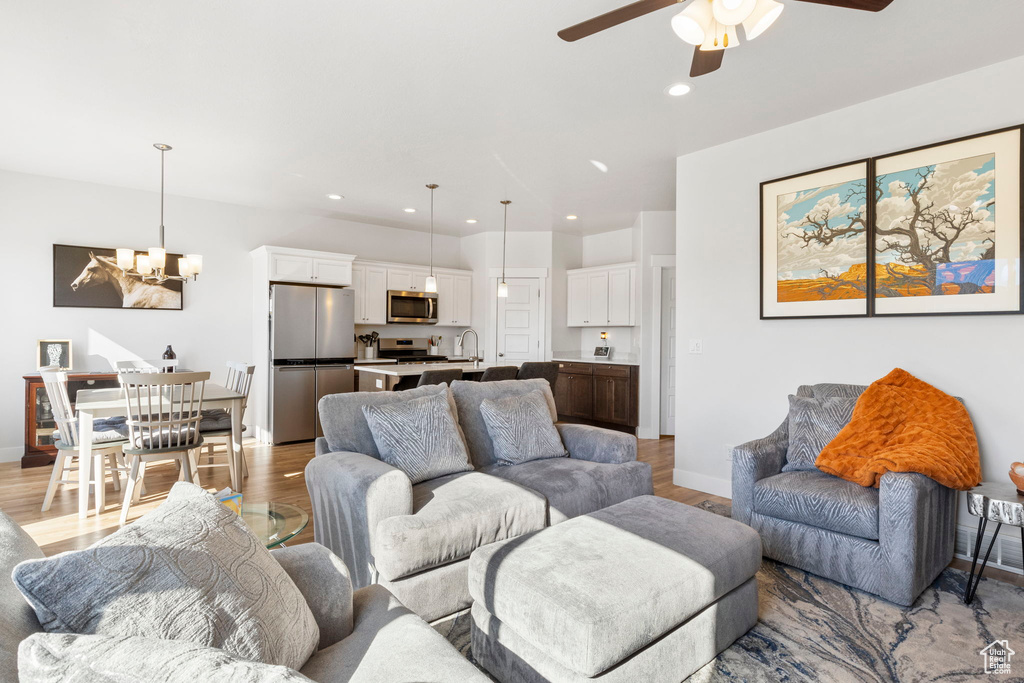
pixel 813 423
pixel 419 437
pixel 190 570
pixel 521 429
pixel 49 657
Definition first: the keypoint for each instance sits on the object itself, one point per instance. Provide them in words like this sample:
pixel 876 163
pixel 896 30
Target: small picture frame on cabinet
pixel 603 352
pixel 54 353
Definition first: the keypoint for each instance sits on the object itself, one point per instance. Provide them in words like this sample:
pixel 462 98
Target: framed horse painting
pixel 88 277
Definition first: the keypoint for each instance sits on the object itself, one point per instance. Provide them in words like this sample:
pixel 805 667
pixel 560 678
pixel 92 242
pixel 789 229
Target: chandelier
pixel 152 265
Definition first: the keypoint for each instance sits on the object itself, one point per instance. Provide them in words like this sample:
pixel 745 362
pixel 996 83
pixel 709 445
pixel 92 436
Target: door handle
pixel 501 354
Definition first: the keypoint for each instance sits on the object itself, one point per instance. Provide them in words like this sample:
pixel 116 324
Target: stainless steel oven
pixel 418 308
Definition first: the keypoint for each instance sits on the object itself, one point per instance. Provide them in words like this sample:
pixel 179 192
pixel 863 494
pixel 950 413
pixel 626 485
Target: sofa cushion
pixel 453 516
pixel 521 429
pixel 813 423
pixel 49 657
pixel 419 437
pixel 343 422
pixel 830 390
pixel 390 643
pixel 576 487
pixel 17 619
pixel 596 589
pixel 468 397
pixel 820 500
pixel 190 570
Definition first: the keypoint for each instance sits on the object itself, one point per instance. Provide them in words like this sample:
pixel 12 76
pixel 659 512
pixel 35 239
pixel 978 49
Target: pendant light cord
pixel 162 152
pixel 504 239
pixel 432 187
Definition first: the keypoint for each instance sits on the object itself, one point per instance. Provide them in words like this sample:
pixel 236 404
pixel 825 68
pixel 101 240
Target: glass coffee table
pixel 274 523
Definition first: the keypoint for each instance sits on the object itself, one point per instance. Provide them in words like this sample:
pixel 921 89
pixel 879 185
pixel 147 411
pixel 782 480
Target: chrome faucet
pixel 476 347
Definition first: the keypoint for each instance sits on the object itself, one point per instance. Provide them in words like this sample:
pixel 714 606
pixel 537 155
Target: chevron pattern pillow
pixel 813 423
pixel 419 437
pixel 521 429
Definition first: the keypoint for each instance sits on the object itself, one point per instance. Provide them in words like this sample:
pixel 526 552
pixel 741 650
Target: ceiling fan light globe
pixel 693 23
pixel 763 16
pixel 732 12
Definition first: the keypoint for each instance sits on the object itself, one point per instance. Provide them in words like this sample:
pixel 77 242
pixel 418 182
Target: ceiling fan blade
pixel 613 18
pixel 705 61
pixel 866 5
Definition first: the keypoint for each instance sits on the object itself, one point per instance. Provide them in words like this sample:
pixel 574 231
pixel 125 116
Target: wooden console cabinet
pixel 39 424
pixel 601 394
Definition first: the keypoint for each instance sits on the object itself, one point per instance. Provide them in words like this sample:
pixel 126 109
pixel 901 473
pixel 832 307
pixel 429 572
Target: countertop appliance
pixel 416 308
pixel 312 347
pixel 408 350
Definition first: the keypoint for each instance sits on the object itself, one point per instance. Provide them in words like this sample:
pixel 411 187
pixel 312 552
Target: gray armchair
pixel 416 539
pixel 891 541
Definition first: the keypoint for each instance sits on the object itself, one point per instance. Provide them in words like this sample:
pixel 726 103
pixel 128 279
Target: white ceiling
pixel 276 103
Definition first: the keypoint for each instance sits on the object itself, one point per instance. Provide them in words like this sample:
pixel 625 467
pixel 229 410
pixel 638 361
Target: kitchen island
pixel 388 377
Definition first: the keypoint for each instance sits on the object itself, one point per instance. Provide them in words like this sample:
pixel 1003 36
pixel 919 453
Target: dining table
pixel 94 403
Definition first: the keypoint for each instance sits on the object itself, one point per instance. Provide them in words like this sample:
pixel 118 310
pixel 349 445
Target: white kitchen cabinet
pixel 407 279
pixel 289 266
pixel 371 285
pixel 602 297
pixel 454 299
pixel 463 300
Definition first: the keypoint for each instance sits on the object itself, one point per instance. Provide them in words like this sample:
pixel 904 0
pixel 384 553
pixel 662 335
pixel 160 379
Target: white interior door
pixel 668 351
pixel 519 326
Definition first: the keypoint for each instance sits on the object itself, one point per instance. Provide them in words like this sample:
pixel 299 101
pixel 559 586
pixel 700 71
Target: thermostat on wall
pixel 602 352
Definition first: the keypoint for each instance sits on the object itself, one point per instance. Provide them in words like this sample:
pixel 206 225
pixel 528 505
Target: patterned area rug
pixel 813 629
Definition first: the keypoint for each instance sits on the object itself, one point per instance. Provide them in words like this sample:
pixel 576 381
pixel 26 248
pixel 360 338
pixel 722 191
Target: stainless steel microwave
pixel 417 308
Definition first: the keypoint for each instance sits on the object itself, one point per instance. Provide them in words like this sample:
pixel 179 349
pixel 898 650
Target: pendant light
pixel 152 265
pixel 503 286
pixel 431 285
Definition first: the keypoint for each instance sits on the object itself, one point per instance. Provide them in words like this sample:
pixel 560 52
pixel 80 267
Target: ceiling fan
pixel 710 25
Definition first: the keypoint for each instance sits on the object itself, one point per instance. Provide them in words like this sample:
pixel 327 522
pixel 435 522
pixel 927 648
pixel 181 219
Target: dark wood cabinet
pixel 39 424
pixel 598 393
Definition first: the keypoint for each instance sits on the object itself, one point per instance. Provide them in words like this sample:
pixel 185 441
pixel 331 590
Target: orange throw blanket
pixel 901 424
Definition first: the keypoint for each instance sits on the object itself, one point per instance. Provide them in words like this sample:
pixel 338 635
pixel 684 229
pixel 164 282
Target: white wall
pixel 736 390
pixel 36 212
pixel 656 236
pixel 606 248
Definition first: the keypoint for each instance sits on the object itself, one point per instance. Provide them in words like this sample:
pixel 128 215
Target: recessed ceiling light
pixel 570 218
pixel 678 89
pixel 410 210
pixel 334 196
pixel 603 168
pixel 471 220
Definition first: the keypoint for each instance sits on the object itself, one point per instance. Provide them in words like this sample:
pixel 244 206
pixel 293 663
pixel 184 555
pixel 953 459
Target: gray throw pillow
pixel 419 437
pixel 521 429
pixel 48 657
pixel 813 423
pixel 190 570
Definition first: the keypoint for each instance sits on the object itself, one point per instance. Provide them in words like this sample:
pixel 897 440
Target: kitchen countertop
pixel 382 361
pixel 616 359
pixel 419 368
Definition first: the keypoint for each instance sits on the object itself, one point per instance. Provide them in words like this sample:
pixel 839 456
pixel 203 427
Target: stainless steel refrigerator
pixel 312 344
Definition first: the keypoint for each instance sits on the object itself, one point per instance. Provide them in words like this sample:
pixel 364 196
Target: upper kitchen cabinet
pixel 406 279
pixel 602 297
pixel 454 299
pixel 300 265
pixel 371 284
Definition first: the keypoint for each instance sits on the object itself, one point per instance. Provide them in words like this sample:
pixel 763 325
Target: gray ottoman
pixel 646 590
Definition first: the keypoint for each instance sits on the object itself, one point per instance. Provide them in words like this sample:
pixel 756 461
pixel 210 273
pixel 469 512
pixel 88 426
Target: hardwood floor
pixel 275 473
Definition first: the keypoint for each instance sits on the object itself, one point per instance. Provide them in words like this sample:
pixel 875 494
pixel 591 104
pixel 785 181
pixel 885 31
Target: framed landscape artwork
pixel 814 244
pixel 88 277
pixel 947 228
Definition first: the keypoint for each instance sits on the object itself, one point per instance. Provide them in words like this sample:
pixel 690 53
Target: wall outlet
pixel 696 346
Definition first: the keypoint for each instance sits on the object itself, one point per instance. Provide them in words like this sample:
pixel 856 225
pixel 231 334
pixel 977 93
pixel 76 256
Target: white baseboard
pixel 702 482
pixel 11 453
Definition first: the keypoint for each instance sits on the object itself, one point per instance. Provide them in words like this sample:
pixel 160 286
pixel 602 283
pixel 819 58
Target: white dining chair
pixel 239 380
pixel 136 366
pixel 163 412
pixel 106 447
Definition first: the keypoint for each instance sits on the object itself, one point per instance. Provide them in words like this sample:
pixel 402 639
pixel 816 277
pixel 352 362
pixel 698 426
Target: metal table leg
pixel 974 579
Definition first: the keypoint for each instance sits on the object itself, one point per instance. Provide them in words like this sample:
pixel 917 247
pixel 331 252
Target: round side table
pixel 999 503
pixel 274 523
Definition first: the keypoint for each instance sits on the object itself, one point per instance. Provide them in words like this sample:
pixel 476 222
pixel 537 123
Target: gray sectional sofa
pixel 416 540
pixel 891 541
